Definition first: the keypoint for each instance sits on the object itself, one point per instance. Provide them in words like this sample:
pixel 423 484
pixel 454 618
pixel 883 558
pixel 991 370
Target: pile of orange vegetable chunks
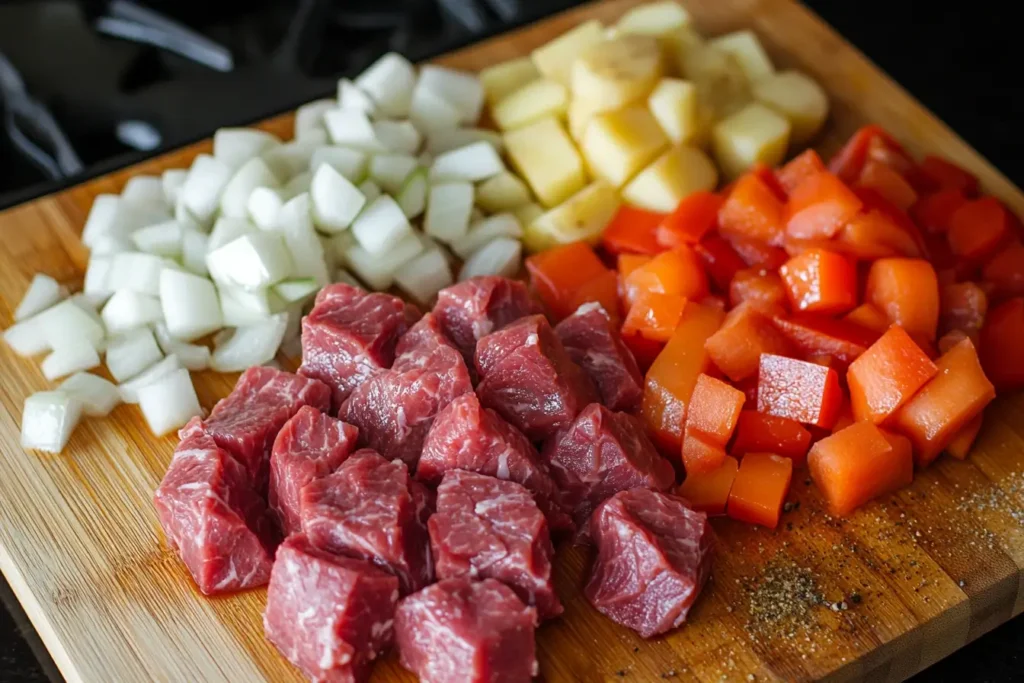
pixel 852 318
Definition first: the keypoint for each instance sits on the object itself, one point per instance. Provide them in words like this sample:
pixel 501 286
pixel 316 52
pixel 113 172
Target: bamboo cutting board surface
pixel 881 595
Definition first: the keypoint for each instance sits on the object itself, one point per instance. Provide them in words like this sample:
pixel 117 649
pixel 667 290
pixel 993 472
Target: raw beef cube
pixel 425 336
pixel 246 423
pixel 309 446
pixel 653 558
pixel 370 509
pixel 527 377
pixel 395 408
pixel 489 528
pixel 593 343
pixel 602 453
pixel 350 335
pixel 467 436
pixel 331 616
pixel 471 310
pixel 464 631
pixel 214 519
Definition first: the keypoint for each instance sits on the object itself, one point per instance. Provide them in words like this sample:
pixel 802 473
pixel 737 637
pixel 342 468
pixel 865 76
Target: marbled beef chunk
pixel 593 342
pixel 395 408
pixel 472 309
pixel 467 436
pixel 369 508
pixel 350 335
pixel 465 631
pixel 529 379
pixel 489 528
pixel 309 446
pixel 600 454
pixel 653 558
pixel 213 517
pixel 331 616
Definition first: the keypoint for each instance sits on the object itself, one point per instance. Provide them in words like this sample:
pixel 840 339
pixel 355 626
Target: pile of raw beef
pixel 401 467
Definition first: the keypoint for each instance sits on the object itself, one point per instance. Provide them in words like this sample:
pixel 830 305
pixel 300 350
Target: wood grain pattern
pixel 931 568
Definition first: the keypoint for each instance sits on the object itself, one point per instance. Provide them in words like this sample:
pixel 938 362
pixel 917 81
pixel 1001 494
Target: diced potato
pixel 546 158
pixel 748 52
pixel 654 19
pixel 555 59
pixel 674 105
pixel 755 133
pixel 674 175
pixel 618 72
pixel 618 144
pixel 583 217
pixel 504 79
pixel 797 97
pixel 721 84
pixel 503 192
pixel 534 101
pixel 678 44
pixel 579 115
pixel 528 213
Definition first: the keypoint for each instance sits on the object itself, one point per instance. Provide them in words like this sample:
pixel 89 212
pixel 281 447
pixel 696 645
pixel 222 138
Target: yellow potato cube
pixel 721 85
pixel 555 59
pixel 618 72
pixel 505 78
pixel 534 101
pixel 674 105
pixel 748 52
pixel 528 213
pixel 581 218
pixel 654 19
pixel 503 192
pixel 797 97
pixel 546 158
pixel 755 133
pixel 674 175
pixel 580 113
pixel 678 44
pixel 618 144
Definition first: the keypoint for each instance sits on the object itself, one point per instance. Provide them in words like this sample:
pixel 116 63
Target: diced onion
pixel 27 338
pixel 136 271
pixel 381 225
pixel 264 207
pixel 290 159
pixel 42 293
pixel 194 245
pixel 144 189
pixel 97 277
pixel 70 320
pixel 195 357
pixel 448 139
pixel 250 345
pixel 235 146
pixel 110 244
pixel 241 307
pixel 351 97
pixel 389 81
pixel 69 356
pixel 131 353
pixel 483 231
pixel 96 395
pixel 352 128
pixel 172 180
pixel 378 270
pixel 472 163
pixel 350 163
pixel 398 137
pixel 127 310
pixel 203 187
pixel 162 239
pixel 431 113
pixel 309 118
pixel 370 190
pixel 102 218
pixel 292 291
pixel 462 90
pixel 412 197
pixel 227 229
pixel 390 170
pixel 424 276
pixel 502 256
pixel 190 305
pixel 307 253
pixel 47 421
pixel 252 261
pixel 130 390
pixel 169 402
pixel 336 201
pixel 253 173
pixel 449 206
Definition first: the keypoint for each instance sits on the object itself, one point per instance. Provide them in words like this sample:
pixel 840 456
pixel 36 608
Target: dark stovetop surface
pixel 963 65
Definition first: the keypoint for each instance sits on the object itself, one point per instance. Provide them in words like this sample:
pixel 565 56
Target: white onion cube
pixel 250 345
pixel 47 421
pixel 378 270
pixel 253 173
pixel 350 96
pixel 307 252
pixel 97 277
pixel 235 146
pixel 130 390
pixel 136 271
pixel 292 291
pixel 431 113
pixel 96 395
pixel 336 201
pixel 252 261
pixel 370 190
pixel 191 307
pixel 144 189
pixel 424 276
pixel 350 163
pixel 228 229
pixel 70 320
pixel 412 196
pixel 171 182
pixel 389 81
pixel 309 118
pixel 127 310
pixel 399 137
pixel 502 256
pixel 194 246
pixel 131 353
pixel 472 163
pixel 381 225
pixel 264 207
pixel 290 159
pixel 195 357
pixel 204 185
pixel 169 402
pixel 352 128
pixel 483 231
pixel 390 170
pixel 68 357
pixel 449 207
pixel 102 218
pixel 42 293
pixel 448 139
pixel 460 89
pixel 162 239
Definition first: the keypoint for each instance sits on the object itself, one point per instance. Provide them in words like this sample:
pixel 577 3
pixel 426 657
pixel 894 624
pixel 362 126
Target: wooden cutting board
pixel 881 595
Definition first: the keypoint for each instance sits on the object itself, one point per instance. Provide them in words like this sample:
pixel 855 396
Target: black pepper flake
pixel 669 674
pixel 636 649
pixel 855 598
pixel 787 507
pixel 621 673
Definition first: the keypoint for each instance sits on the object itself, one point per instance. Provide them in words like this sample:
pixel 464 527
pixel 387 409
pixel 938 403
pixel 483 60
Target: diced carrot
pixel 747 333
pixel 962 306
pixel 715 301
pixel 630 262
pixel 720 260
pixel 760 287
pixel 709 492
pixel 961 444
pixel 869 316
pixel 933 212
pixel 603 289
pixel 632 231
pixel 820 281
pixel 819 207
pixel 815 334
pixel 858 464
pixel 695 215
pixel 758 254
pixel 885 150
pixel 873 235
pixel 947 176
pixel 761 433
pixel 643 350
pixel 1005 271
pixel 888 183
pixel 557 274
pixel 678 271
pixel 954 337
pixel 887 375
pixel 760 489
pixel 848 162
pixel 700 456
pixel 767 175
pixel 955 396
pixel 1002 341
pixel 873 201
pixel 798 390
pixel 978 227
pixel 714 408
pixel 798 169
pixel 907 290
pixel 654 315
pixel 670 381
pixel 845 418
pixel 752 211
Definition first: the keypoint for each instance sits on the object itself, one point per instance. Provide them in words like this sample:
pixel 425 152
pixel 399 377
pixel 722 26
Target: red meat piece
pixel 213 517
pixel 331 616
pixel 529 379
pixel 489 528
pixel 464 631
pixel 653 558
pixel 602 453
pixel 309 446
pixel 370 509
pixel 593 343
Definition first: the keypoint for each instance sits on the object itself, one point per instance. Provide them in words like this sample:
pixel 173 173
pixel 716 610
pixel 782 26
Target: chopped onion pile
pixel 380 183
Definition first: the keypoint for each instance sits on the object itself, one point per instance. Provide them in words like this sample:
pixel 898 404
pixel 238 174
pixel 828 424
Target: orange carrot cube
pixel 760 489
pixel 907 290
pixel 820 281
pixel 654 316
pixel 709 492
pixel 798 390
pixel 752 211
pixel 760 433
pixel 887 375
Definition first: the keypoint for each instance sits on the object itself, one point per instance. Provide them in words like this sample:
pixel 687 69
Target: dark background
pixel 964 64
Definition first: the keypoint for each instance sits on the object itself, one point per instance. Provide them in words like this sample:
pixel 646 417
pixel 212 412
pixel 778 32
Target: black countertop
pixel 963 63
